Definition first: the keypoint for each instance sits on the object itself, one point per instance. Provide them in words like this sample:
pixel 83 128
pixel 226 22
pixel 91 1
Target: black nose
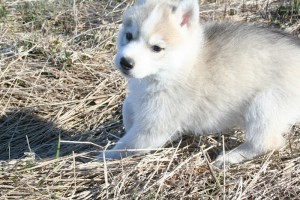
pixel 126 63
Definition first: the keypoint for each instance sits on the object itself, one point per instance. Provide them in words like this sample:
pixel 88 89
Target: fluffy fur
pixel 187 77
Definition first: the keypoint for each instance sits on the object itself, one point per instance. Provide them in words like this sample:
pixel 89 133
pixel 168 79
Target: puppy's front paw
pixel 109 155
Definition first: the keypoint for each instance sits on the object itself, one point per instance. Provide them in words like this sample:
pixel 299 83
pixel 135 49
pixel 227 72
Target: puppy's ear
pixel 187 13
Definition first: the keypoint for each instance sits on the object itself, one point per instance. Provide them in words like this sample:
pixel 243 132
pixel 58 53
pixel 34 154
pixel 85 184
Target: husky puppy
pixel 187 77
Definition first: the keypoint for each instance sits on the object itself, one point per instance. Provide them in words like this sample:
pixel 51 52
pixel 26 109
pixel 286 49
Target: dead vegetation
pixel 60 101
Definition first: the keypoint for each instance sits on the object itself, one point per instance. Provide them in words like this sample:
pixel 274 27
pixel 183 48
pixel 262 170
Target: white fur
pixel 207 78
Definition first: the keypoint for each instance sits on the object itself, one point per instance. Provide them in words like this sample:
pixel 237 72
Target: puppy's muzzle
pixel 126 63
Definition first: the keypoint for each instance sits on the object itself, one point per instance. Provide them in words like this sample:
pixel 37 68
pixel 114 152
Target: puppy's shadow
pixel 22 130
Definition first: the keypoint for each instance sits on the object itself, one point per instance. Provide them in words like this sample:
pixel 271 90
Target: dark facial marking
pixel 129 36
pixel 156 48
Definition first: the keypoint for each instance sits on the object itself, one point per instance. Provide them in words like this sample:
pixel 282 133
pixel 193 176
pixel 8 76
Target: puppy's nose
pixel 126 63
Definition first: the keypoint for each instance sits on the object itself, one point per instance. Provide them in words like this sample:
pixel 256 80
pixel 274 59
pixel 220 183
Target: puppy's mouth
pixel 126 73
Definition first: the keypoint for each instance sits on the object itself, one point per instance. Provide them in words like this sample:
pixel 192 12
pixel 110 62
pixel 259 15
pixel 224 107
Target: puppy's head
pixel 156 37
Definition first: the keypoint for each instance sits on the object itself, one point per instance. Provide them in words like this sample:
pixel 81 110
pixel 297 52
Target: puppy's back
pixel 254 54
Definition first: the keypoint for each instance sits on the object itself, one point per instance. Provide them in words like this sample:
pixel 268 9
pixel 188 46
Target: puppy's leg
pixel 128 114
pixel 266 122
pixel 151 127
pixel 137 142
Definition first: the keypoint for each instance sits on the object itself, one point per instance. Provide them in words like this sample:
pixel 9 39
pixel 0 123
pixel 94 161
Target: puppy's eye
pixel 129 36
pixel 156 48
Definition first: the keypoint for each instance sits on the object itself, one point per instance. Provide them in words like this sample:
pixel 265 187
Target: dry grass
pixel 57 81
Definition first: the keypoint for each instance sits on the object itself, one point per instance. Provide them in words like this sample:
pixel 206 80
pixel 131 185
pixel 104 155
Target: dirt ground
pixel 60 104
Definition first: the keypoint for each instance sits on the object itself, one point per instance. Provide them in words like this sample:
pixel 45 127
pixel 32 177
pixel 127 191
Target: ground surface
pixel 58 86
